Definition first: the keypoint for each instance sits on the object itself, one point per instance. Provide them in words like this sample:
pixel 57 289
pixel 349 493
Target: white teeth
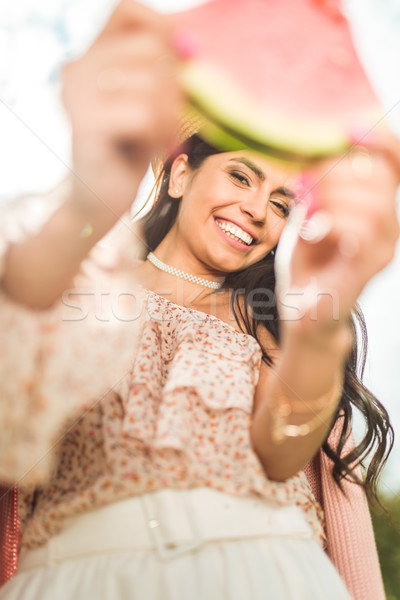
pixel 235 232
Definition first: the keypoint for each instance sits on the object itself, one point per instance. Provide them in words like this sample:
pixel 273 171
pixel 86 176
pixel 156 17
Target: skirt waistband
pixel 171 522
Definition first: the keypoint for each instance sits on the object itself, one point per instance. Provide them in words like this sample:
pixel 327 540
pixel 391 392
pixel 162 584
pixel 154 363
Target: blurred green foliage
pixel 387 534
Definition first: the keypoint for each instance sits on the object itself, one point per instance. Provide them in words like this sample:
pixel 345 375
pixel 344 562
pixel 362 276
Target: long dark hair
pixel 256 284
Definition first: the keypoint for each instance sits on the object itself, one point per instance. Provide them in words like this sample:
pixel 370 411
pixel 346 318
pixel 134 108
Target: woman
pixel 185 478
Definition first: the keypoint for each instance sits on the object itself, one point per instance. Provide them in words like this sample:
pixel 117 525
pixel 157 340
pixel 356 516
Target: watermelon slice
pixel 278 76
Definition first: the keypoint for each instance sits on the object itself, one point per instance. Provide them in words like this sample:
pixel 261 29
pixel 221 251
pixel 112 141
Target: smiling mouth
pixel 235 232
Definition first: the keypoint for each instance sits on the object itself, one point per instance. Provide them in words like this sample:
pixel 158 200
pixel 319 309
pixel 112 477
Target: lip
pixel 253 235
pixel 234 243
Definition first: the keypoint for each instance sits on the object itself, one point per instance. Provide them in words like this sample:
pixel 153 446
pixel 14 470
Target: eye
pixel 281 206
pixel 240 177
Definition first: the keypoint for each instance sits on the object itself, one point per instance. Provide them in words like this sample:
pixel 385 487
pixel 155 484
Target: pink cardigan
pixel 351 542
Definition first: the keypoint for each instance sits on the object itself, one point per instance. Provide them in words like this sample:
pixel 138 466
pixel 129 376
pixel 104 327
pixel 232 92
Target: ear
pixel 178 174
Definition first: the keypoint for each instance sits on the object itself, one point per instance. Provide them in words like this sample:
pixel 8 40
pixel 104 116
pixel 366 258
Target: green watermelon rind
pixel 228 140
pixel 238 122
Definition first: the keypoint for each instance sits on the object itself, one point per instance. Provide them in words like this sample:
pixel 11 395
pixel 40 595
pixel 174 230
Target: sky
pixel 36 38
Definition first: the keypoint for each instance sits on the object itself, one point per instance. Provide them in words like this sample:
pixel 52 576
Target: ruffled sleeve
pixel 55 363
pixel 186 362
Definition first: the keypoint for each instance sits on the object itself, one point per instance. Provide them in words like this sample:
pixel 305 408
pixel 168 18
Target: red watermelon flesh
pixel 281 76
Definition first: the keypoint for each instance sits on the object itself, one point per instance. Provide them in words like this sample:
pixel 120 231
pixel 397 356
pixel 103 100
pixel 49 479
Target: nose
pixel 256 209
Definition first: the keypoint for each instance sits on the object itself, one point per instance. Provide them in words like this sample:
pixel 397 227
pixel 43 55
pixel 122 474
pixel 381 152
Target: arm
pixel 117 98
pixel 307 378
pixel 37 345
pixel 304 386
pixel 39 269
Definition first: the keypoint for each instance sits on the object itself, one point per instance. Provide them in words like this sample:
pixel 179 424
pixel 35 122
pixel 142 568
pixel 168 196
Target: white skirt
pixel 180 545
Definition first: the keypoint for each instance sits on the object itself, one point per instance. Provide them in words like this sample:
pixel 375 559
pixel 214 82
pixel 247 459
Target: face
pixel 233 208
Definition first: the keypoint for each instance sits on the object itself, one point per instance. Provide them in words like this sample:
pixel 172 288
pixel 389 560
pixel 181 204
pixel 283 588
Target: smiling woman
pixel 238 200
pixel 178 440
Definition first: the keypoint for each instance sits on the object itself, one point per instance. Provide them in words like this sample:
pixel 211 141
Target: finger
pixel 130 16
pixel 115 87
pixel 149 123
pixel 117 65
pixel 382 139
pixel 129 49
pixel 359 171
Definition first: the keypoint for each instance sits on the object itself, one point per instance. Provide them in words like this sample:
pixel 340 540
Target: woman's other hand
pixel 349 234
pixel 122 98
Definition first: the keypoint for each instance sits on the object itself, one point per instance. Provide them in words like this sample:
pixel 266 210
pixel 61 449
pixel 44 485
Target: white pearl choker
pixel 214 285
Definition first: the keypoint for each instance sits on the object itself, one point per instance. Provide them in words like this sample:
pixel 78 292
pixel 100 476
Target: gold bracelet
pixel 281 429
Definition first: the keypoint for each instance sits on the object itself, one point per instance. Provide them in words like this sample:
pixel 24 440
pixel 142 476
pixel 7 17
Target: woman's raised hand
pixel 343 233
pixel 349 234
pixel 122 98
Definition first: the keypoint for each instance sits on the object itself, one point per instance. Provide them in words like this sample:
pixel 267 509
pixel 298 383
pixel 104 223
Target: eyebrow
pixel 284 191
pixel 256 170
